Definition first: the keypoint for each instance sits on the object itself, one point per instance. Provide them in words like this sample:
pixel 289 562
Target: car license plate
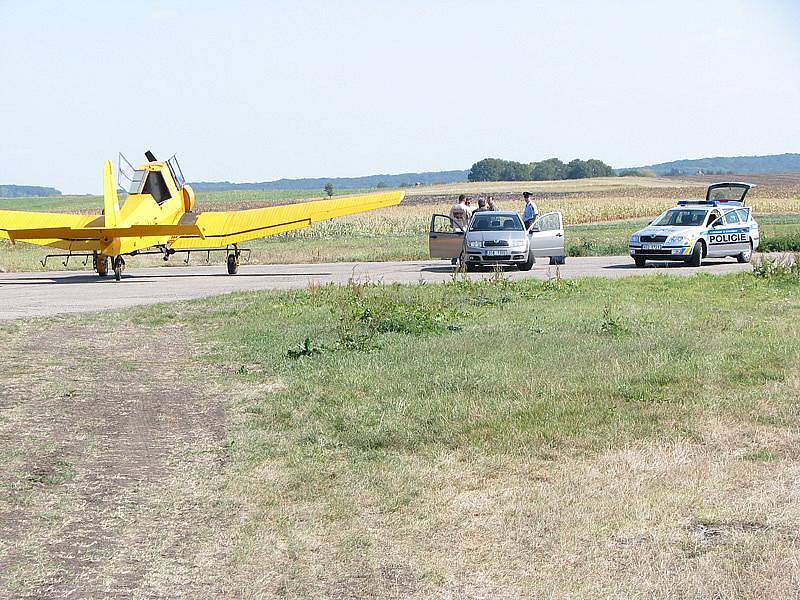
pixel 496 252
pixel 651 246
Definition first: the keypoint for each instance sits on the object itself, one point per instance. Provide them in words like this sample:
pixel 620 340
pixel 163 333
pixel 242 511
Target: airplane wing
pixel 44 229
pixel 221 229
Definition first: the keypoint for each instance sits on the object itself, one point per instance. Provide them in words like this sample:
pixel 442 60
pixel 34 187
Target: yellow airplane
pixel 158 217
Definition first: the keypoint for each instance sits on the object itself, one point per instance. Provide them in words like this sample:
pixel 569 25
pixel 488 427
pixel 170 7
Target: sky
pixel 256 91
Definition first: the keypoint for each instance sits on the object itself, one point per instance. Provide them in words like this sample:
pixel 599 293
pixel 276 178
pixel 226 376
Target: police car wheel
pixel 745 256
pixel 696 259
pixel 640 262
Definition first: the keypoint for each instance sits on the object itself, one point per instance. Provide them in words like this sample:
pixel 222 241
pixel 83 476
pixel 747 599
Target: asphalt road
pixel 58 292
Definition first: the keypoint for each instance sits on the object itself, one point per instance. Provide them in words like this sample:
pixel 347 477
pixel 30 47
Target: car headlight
pixel 635 238
pixel 475 244
pixel 677 240
pixel 518 243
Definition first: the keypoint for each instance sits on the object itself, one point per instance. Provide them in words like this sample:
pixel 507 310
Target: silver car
pixel 498 238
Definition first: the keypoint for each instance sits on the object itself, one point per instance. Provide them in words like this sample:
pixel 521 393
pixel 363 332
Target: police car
pixel 719 226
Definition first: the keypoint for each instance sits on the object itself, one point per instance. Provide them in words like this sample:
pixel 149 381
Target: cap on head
pixel 526 194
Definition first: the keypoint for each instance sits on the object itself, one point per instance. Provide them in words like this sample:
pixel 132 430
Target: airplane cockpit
pixel 146 181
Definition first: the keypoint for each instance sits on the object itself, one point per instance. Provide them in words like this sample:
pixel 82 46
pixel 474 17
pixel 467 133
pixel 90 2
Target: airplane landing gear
pixel 119 265
pixel 233 263
pixel 101 265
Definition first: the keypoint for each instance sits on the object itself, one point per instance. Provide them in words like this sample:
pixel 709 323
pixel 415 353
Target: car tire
pixel 747 255
pixel 528 264
pixel 640 262
pixel 696 258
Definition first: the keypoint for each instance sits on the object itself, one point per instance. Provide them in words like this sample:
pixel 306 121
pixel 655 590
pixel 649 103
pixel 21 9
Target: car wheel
pixel 696 258
pixel 744 257
pixel 640 262
pixel 528 264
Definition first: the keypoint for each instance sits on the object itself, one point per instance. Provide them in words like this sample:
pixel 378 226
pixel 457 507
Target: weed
pixel 308 348
pixel 784 268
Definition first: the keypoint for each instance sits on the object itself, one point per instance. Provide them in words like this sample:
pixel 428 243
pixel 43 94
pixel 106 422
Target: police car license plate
pixel 651 246
pixel 496 252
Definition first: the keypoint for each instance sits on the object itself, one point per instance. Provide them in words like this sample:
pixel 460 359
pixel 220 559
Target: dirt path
pixel 110 453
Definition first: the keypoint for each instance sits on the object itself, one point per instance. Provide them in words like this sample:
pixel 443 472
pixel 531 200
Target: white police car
pixel 721 225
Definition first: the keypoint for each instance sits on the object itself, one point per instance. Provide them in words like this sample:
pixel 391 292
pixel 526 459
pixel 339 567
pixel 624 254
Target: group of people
pixel 462 211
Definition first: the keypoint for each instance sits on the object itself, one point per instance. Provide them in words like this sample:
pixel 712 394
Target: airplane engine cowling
pixel 188 198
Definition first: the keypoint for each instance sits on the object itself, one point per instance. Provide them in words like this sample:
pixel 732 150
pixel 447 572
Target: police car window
pixel 713 216
pixel 731 217
pixel 682 217
pixel 744 215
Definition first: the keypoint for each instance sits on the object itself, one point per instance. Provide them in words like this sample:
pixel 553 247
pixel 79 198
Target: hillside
pixel 317 183
pixel 26 191
pixel 776 163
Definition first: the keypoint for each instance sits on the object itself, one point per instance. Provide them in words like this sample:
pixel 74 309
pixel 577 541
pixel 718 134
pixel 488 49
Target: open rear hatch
pixel 730 191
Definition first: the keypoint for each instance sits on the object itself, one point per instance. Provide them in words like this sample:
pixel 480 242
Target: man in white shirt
pixel 531 210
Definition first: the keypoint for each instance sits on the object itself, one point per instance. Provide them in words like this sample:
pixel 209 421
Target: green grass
pixel 450 429
pixel 503 366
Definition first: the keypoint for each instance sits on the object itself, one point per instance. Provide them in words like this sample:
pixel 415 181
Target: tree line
pixel 497 169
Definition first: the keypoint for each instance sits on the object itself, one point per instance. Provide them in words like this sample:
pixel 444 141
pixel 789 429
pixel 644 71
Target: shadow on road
pixel 663 265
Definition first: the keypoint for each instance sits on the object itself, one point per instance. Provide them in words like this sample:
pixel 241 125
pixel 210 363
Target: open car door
pixel 547 235
pixel 446 238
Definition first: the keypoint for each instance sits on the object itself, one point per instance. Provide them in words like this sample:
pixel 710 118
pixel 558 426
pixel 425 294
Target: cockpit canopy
pixel 146 181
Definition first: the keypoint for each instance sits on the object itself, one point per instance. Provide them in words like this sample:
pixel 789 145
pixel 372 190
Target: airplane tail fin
pixel 110 197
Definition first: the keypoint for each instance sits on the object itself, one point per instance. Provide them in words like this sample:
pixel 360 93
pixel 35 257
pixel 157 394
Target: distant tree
pixel 487 169
pixel 381 184
pixel 548 170
pixel 329 189
pixel 578 169
pixel 496 169
pixel 598 168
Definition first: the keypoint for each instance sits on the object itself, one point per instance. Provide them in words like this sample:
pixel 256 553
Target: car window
pixel 744 214
pixel 731 218
pixel 489 222
pixel 443 224
pixel 549 222
pixel 681 216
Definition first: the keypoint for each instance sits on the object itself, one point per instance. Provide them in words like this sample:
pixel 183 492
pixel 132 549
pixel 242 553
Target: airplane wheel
pixel 101 265
pixel 233 265
pixel 119 264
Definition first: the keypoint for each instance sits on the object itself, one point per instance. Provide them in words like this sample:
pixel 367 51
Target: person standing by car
pixel 481 205
pixel 490 205
pixel 458 212
pixel 531 210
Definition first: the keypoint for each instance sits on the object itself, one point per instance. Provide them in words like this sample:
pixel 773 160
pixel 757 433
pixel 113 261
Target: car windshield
pixel 681 217
pixel 489 222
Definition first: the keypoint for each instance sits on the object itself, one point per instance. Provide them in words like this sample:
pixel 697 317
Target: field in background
pixel 599 214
